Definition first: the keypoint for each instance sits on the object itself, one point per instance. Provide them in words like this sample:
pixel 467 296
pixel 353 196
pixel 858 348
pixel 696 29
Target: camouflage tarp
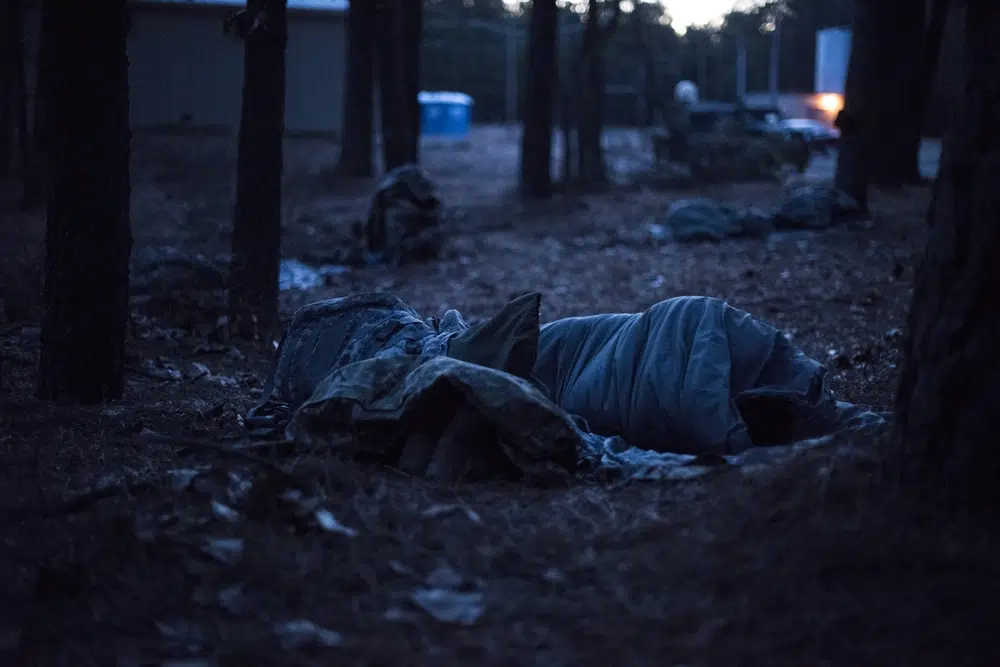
pixel 367 377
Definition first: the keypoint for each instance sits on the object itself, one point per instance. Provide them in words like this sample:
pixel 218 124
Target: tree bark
pixel 356 157
pixel 393 105
pixel 29 186
pixel 925 76
pixel 253 294
pixel 651 100
pixel 592 170
pixel 6 98
pixel 41 119
pixel 567 128
pixel 949 392
pixel 412 15
pixel 854 120
pixel 88 240
pixel 897 29
pixel 540 87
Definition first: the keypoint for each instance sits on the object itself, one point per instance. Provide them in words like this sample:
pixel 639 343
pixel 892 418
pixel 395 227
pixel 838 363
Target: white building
pixel 186 74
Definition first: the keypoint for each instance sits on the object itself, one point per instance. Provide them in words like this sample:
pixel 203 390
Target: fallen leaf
pixel 233 599
pixel 161 369
pixel 438 510
pixel 228 550
pixel 329 523
pixel 181 479
pixel 299 633
pixel 395 613
pixel 198 370
pixel 445 576
pixel 448 606
pixel 225 512
pixel 181 632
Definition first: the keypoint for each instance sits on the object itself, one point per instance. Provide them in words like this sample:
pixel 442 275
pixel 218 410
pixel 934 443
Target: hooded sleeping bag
pixel 690 374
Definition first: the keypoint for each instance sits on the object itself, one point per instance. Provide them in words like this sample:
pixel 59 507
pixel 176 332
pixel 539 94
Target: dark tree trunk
pixel 540 89
pixel 88 240
pixel 356 158
pixel 949 391
pixel 253 295
pixel 412 12
pixel 592 171
pixel 854 120
pixel 924 78
pixel 29 185
pixel 897 29
pixel 43 77
pixel 395 74
pixel 651 102
pixel 6 97
pixel 567 128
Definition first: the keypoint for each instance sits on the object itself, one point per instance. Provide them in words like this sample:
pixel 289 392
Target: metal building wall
pixel 186 75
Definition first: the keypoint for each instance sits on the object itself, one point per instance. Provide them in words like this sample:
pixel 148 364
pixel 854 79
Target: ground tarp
pixel 659 394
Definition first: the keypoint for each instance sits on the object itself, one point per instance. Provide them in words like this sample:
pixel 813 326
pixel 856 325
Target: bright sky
pixel 683 12
pixel 697 12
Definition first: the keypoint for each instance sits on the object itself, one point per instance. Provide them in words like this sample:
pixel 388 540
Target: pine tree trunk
pixel 357 158
pixel 29 185
pixel 898 28
pixel 949 393
pixel 88 239
pixel 409 71
pixel 253 295
pixel 6 99
pixel 590 169
pixel 540 87
pixel 593 168
pixel 855 119
pixel 925 76
pixel 40 114
pixel 392 94
pixel 568 130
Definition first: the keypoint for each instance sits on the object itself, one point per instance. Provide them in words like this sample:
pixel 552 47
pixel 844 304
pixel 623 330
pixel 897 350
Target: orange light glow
pixel 830 102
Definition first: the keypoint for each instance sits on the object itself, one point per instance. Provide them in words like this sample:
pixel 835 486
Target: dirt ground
pixel 267 558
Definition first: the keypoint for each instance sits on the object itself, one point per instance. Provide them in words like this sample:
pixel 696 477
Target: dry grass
pixel 810 563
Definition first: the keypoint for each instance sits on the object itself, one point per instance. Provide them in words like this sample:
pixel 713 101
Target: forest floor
pixel 265 560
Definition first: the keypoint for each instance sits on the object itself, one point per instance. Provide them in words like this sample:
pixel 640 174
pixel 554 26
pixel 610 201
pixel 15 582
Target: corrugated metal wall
pixel 183 70
pixel 314 84
pixel 186 73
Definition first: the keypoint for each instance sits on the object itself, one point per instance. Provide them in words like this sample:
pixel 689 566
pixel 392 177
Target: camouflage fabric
pixel 326 336
pixel 384 408
pixel 366 376
pixel 404 221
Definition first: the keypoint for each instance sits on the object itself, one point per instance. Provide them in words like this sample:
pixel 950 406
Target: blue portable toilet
pixel 444 114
